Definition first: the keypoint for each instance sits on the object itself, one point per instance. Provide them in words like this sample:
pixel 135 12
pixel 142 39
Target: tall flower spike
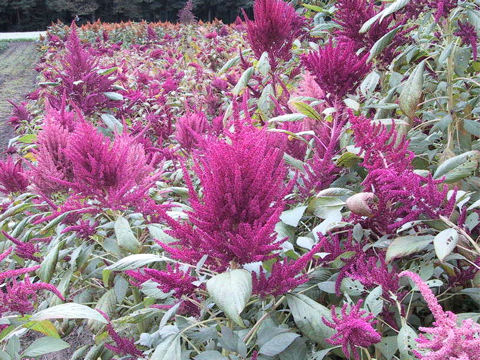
pixel 338 70
pixel 243 191
pixel 353 329
pixel 445 340
pixel 273 29
pixel 12 176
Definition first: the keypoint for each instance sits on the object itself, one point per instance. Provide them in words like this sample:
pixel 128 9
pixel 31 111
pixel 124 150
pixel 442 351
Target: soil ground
pixel 17 79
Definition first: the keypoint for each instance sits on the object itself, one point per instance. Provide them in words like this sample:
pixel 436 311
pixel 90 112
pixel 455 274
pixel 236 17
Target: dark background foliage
pixel 25 15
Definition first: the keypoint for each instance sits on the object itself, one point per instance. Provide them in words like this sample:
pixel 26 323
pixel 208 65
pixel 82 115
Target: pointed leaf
pixel 231 291
pixel 412 91
pixel 445 242
pixel 45 345
pixel 406 245
pixel 69 311
pixel 124 234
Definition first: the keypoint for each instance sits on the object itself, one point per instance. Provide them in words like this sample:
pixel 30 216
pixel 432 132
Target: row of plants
pixel 303 185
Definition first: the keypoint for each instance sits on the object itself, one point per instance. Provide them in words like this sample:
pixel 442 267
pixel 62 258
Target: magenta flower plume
pixel 20 296
pixel 5 254
pixel 468 34
pixel 444 7
pixel 353 329
pixel 285 275
pixel 12 176
pixel 123 346
pixel 243 191
pixel 173 279
pixel 446 339
pixel 338 70
pixel 80 78
pixel 25 250
pixel 51 162
pixel 185 15
pixel 190 130
pixel 20 113
pixel 273 29
pixel 116 173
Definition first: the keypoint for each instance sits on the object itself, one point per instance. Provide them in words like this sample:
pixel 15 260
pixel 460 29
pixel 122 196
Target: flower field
pixel 301 185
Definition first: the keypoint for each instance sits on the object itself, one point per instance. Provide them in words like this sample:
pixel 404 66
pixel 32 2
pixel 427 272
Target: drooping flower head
pixel 352 330
pixel 12 176
pixel 446 339
pixel 468 34
pixel 273 29
pixel 338 70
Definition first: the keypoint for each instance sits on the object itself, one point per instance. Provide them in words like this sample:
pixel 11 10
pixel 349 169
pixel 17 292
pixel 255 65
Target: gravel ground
pixel 17 79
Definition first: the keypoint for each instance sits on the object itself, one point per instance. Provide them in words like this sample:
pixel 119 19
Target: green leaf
pixel 393 7
pixel 231 291
pixel 130 262
pixel 113 96
pixel 412 91
pixel 293 216
pixel 47 267
pixel 307 110
pixel 313 7
pixel 382 43
pixel 472 126
pixel 124 234
pixel 107 71
pixel 368 24
pixel 69 311
pixel 288 117
pixel 112 123
pixel 243 81
pixel 348 160
pixel 45 327
pixel 107 304
pixel 374 302
pixel 210 355
pixel 168 349
pixel 308 315
pixel 45 345
pixel 406 245
pixel 277 344
pixel 458 167
pixel 28 139
pixel 369 84
pixel 320 355
pixel 406 341
pixel 445 242
pixel 388 346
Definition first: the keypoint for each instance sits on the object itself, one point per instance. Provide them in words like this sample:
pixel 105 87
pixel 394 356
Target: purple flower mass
pixel 352 329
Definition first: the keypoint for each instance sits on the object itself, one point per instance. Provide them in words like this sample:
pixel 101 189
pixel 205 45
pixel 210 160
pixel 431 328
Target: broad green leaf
pixel 288 117
pixel 313 7
pixel 113 96
pixel 45 327
pixel 130 262
pixel 320 355
pixel 28 139
pixel 388 346
pixel 112 123
pixel 393 7
pixel 243 81
pixel 412 91
pixel 406 245
pixel 374 302
pixel 472 126
pixel 293 216
pixel 69 311
pixel 368 24
pixel 231 291
pixel 406 342
pixel 210 355
pixel 278 343
pixel 107 71
pixel 308 315
pixel 45 345
pixel 263 64
pixel 168 349
pixel 348 160
pixel 124 234
pixel 458 167
pixel 47 268
pixel 445 242
pixel 106 304
pixel 382 43
pixel 369 84
pixel 307 110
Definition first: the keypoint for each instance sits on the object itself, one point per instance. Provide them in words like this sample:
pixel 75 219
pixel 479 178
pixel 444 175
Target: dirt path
pixel 17 79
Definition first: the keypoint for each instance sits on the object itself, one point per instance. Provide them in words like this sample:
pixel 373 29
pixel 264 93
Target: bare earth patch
pixel 17 78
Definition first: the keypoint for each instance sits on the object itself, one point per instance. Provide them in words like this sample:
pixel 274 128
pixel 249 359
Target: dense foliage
pixel 301 185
